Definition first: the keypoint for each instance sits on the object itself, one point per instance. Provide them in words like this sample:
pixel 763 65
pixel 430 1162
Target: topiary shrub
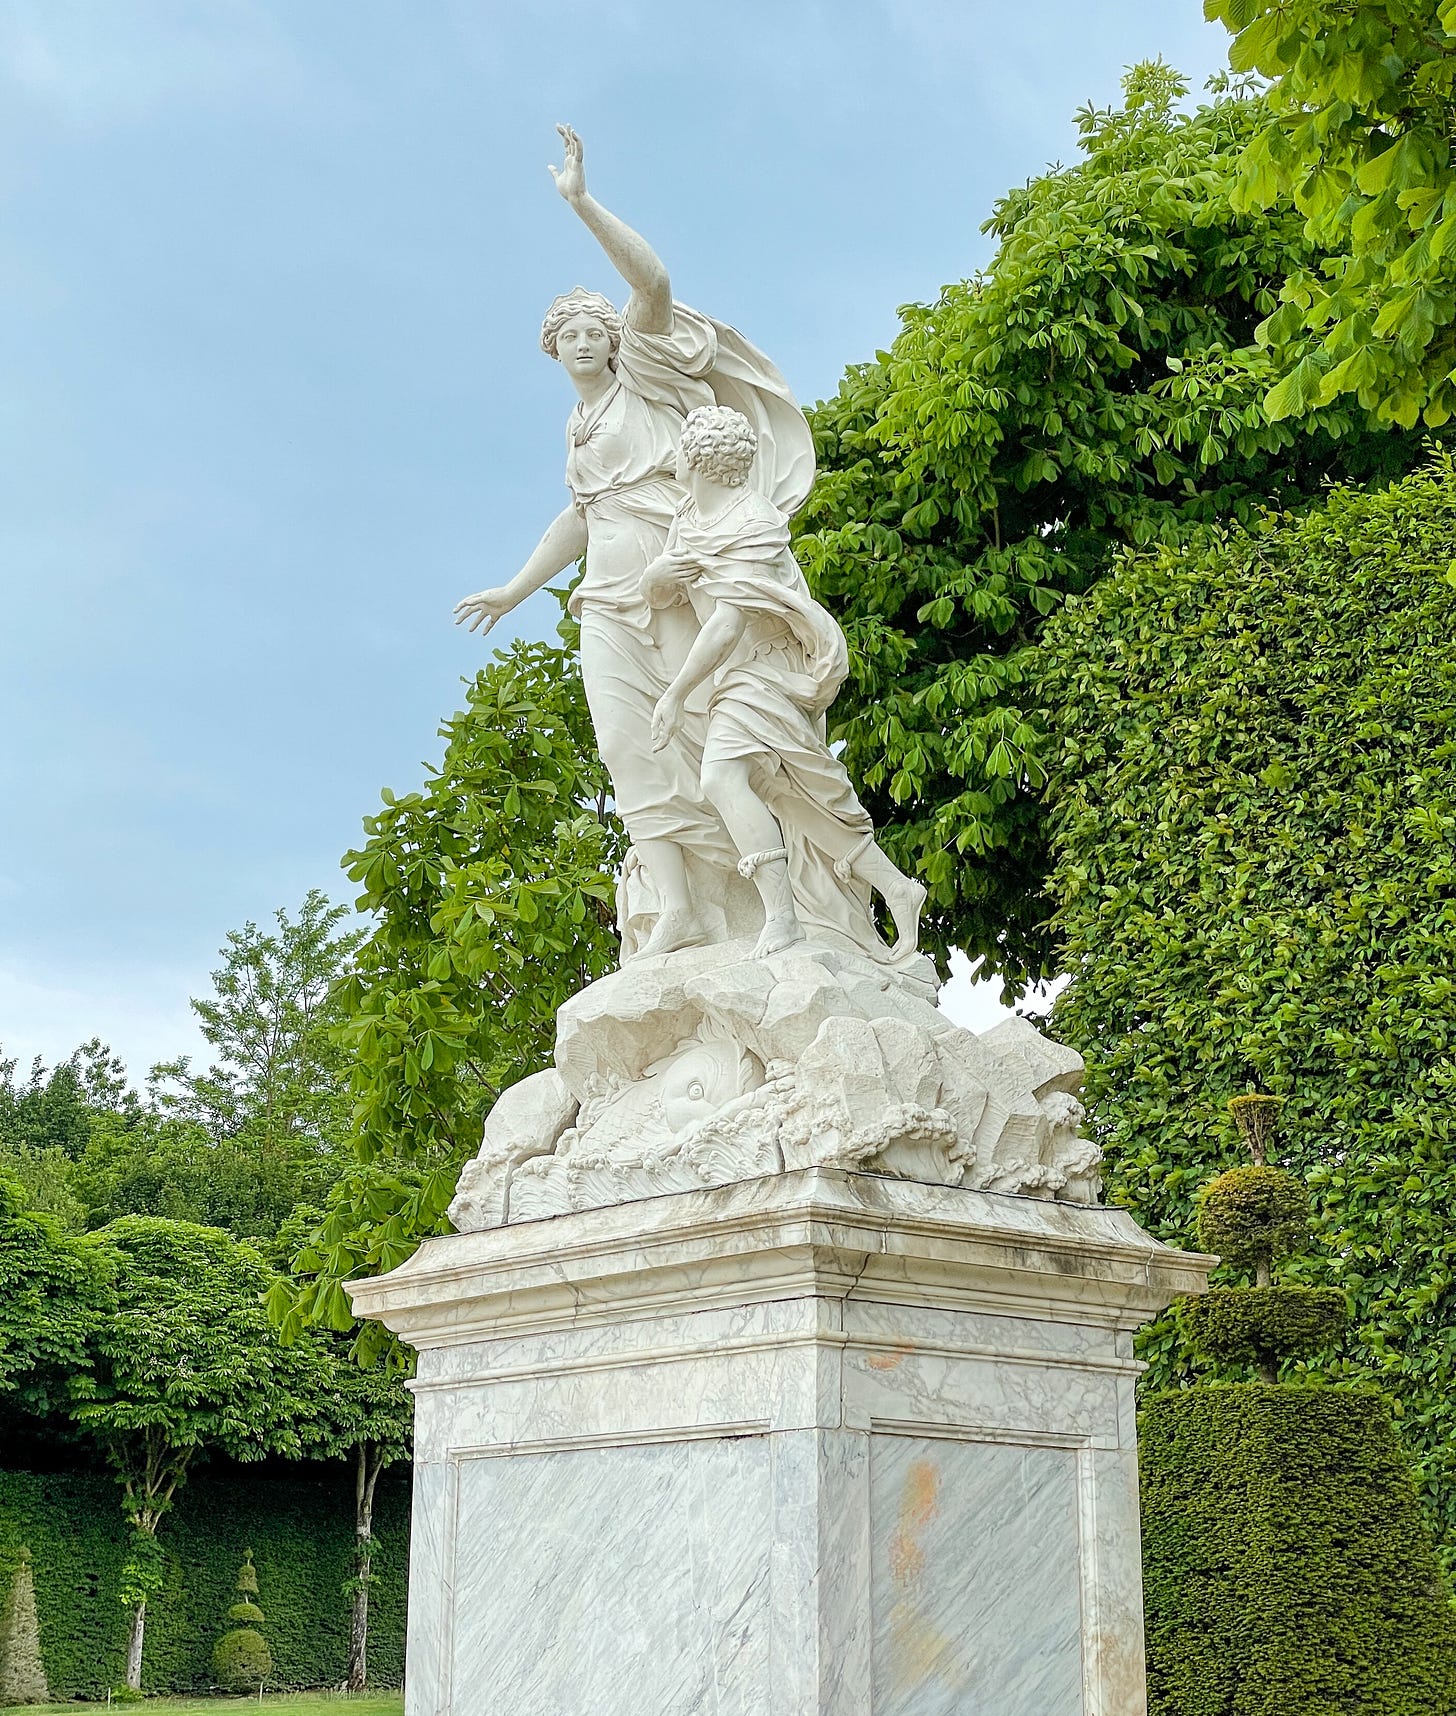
pixel 1253 1218
pixel 1255 800
pixel 22 1673
pixel 1286 1567
pixel 242 1657
pixel 1253 1214
pixel 1262 1325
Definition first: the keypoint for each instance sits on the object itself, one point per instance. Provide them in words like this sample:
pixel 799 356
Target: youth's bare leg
pixel 755 832
pixel 904 897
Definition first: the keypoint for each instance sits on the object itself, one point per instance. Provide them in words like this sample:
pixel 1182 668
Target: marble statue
pixel 760 1021
pixel 637 375
pixel 785 1408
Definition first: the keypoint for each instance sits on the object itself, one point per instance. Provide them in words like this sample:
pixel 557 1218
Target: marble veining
pixel 615 1579
pixel 824 1445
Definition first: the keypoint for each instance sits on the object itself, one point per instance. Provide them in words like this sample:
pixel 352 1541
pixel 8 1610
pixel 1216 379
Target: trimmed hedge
pixel 1286 1567
pixel 300 1527
pixel 1256 874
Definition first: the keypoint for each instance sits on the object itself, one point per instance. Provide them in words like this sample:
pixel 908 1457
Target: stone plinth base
pixel 818 1444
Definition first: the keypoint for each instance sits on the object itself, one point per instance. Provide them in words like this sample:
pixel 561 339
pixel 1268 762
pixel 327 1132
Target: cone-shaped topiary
pixel 22 1673
pixel 242 1657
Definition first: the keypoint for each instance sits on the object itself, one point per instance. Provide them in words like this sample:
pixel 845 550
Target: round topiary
pixel 242 1658
pixel 1252 1215
pixel 245 1615
pixel 1262 1325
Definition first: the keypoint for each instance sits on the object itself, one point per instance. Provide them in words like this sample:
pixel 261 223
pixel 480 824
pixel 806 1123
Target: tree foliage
pixel 185 1363
pixel 53 1288
pixel 1359 137
pixel 492 899
pixel 1255 826
pixel 1097 385
pixel 277 1081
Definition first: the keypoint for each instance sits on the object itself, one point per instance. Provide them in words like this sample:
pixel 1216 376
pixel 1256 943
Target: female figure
pixel 637 376
pixel 768 662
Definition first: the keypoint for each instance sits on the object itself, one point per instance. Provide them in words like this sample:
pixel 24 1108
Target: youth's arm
pixel 563 545
pixel 650 307
pixel 714 644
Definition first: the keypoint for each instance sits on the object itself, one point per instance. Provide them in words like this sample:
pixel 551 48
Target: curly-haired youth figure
pixel 637 376
pixel 769 660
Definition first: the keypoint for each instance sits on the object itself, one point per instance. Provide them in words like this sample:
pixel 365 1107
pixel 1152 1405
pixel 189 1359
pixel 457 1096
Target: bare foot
pixel 673 930
pixel 782 930
pixel 905 899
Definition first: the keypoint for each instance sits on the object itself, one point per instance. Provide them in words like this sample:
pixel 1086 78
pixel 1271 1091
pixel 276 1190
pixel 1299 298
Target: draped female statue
pixel 637 374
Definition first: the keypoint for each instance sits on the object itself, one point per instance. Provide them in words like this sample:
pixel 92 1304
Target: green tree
pixel 186 1363
pixel 1255 831
pixel 54 1109
pixel 1097 385
pixel 279 1074
pixel 492 900
pixel 165 1165
pixel 53 1288
pixel 1359 137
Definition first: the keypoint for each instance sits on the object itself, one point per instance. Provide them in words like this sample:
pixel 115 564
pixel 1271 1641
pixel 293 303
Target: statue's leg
pixel 904 897
pixel 657 794
pixel 728 786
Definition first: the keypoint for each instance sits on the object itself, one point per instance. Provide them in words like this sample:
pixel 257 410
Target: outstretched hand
pixel 571 177
pixel 485 607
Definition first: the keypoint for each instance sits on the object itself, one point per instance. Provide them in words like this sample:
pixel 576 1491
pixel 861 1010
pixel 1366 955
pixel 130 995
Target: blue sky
pixel 271 274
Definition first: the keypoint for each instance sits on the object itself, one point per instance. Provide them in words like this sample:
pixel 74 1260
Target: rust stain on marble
pixel 920 1651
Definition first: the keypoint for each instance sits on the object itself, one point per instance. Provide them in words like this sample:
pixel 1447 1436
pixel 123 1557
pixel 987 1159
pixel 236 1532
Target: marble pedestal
pixel 817 1444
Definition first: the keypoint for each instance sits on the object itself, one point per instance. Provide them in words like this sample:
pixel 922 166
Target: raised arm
pixel 649 309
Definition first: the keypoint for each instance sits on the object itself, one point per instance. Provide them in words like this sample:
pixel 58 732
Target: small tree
pixel 366 1416
pixel 241 1657
pixel 186 1364
pixel 22 1673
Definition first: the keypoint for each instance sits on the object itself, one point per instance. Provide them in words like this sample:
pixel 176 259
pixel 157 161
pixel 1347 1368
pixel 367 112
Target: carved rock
pixel 707 1066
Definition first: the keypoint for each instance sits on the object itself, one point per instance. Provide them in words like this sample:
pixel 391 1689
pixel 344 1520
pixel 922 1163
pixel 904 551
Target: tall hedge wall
pixel 300 1529
pixel 1256 863
pixel 1286 1567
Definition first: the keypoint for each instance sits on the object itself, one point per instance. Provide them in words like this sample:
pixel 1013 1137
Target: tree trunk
pixel 369 1460
pixel 134 1646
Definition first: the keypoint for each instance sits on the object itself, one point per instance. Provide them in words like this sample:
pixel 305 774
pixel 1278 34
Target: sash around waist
pixel 613 491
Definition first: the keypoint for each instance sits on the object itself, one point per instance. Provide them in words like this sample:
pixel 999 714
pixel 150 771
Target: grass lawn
pixel 277 1704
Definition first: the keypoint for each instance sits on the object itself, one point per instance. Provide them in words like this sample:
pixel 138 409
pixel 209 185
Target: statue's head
pixel 719 443
pixel 582 330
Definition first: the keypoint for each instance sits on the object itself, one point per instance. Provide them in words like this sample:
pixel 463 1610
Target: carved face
pixel 698 1082
pixel 584 346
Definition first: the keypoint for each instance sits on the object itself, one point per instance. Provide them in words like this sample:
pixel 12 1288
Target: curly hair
pixel 719 442
pixel 579 302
